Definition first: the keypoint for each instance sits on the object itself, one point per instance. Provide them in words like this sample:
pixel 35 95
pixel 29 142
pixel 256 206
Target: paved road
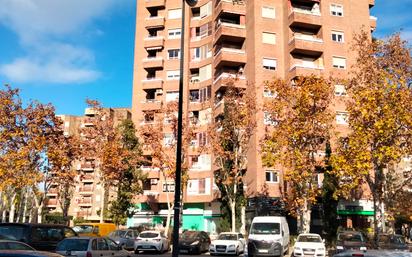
pixel 169 254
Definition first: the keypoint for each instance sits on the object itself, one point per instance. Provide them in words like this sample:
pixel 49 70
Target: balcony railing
pixel 85 201
pixel 86 189
pixel 306 11
pixel 51 202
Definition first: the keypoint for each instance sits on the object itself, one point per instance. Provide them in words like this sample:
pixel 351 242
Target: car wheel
pixel 136 251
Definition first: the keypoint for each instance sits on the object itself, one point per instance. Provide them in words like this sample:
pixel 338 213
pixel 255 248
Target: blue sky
pixel 64 51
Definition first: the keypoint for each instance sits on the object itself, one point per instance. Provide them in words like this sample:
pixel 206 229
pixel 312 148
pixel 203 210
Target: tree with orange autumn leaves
pixel 103 139
pixel 230 136
pixel 162 149
pixel 30 138
pixel 301 125
pixel 380 121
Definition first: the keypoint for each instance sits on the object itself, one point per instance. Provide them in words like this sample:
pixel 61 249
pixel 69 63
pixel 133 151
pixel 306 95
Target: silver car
pixel 126 238
pixel 90 247
pixel 152 241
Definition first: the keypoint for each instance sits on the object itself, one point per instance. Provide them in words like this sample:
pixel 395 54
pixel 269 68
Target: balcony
pixel 306 45
pixel 88 122
pixel 90 112
pixel 233 32
pixel 52 191
pixel 372 22
pixel 85 201
pixel 154 22
pixel 152 83
pixel 223 78
pixel 229 57
pixel 305 18
pixel 152 43
pixel 87 178
pixel 51 202
pixel 305 69
pixel 155 3
pixel 153 62
pixel 86 190
pixel 88 166
pixel 84 214
pixel 230 7
pixel 151 104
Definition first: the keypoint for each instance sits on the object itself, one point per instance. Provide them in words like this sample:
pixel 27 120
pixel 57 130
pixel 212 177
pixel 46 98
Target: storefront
pixel 355 214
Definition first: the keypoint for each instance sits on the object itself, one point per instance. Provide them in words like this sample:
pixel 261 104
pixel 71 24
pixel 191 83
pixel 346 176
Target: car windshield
pixel 227 237
pixel 398 240
pixel 118 233
pixel 265 228
pixel 12 232
pixel 83 229
pixel 148 235
pixel 73 245
pixel 190 235
pixel 351 237
pixel 309 238
pixel 14 246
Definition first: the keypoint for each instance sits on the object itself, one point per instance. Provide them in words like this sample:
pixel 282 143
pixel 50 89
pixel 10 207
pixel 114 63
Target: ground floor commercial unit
pixel 356 214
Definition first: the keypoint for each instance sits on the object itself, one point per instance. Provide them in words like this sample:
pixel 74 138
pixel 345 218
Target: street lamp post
pixel 178 180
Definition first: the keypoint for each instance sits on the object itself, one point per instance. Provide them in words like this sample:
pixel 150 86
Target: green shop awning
pixel 355 212
pixel 193 222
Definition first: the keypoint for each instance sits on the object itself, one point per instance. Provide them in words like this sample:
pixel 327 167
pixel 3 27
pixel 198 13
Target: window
pixel 168 139
pixel 173 54
pixel 172 96
pixel 168 186
pixel 268 120
pixel 340 90
pixel 268 12
pixel 205 72
pixel 339 62
pixel 173 74
pixel 269 38
pixel 268 93
pixel 342 118
pixel 198 186
pixel 272 176
pixel 174 33
pixel 337 36
pixel 175 14
pixel 269 64
pixel 336 10
pixel 206 10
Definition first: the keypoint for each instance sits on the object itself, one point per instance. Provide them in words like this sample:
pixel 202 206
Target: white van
pixel 268 236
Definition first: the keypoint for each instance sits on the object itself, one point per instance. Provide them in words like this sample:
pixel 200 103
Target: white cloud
pixel 44 29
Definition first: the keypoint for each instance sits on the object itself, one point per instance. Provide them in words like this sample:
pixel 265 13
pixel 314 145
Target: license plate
pixel 184 251
pixel 263 251
pixel 145 246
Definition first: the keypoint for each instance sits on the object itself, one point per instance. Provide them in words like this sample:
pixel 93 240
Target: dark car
pixel 14 245
pixel 194 242
pixel 27 253
pixel 351 240
pixel 373 253
pixel 42 237
pixel 392 242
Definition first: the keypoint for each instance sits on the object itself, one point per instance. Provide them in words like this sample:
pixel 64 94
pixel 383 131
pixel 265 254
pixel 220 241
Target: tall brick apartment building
pixel 253 39
pixel 88 198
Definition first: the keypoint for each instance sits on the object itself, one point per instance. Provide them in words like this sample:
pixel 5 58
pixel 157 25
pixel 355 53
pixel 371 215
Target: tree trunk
pixel 243 220
pixel 233 213
pixel 305 218
pixel 12 208
pixel 21 207
pixel 3 215
pixel 102 204
pixel 26 202
pixel 169 211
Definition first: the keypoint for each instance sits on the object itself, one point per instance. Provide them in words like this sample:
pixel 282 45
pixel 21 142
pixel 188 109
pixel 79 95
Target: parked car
pixel 42 237
pixel 152 241
pixel 194 242
pixel 373 253
pixel 125 238
pixel 309 244
pixel 90 246
pixel 268 236
pixel 94 229
pixel 351 240
pixel 27 253
pixel 392 242
pixel 14 245
pixel 228 243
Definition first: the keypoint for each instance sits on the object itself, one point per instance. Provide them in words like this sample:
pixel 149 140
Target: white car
pixel 309 244
pixel 228 243
pixel 152 241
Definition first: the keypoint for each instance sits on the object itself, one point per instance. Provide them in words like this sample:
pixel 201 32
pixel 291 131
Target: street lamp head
pixel 191 3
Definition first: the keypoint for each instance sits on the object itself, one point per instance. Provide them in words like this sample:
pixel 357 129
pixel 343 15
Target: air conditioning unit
pixel 159 91
pixel 153 181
